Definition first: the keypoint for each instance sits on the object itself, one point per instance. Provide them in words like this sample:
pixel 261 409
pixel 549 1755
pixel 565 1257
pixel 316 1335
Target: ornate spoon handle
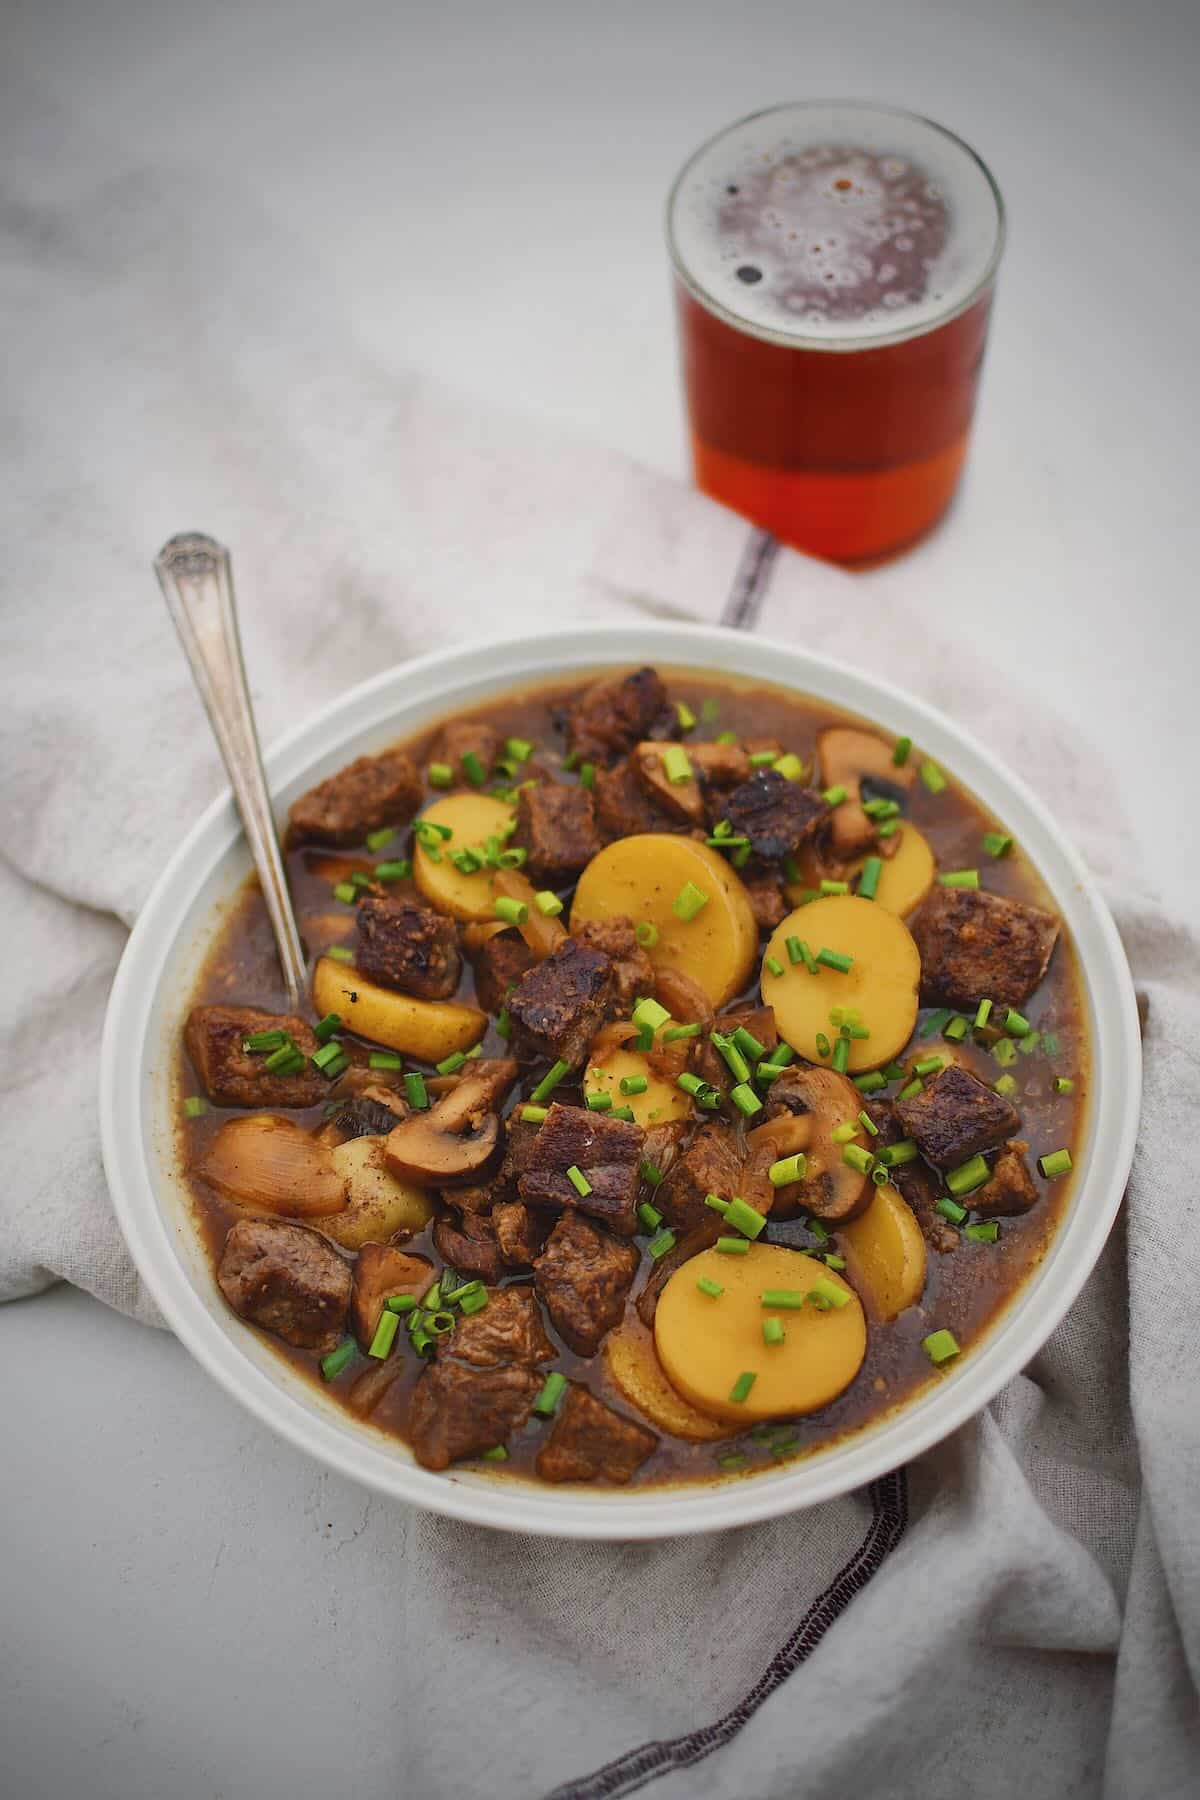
pixel 196 578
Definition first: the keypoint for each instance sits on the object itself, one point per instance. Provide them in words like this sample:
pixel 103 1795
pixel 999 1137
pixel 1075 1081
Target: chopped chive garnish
pixel 385 1334
pixel 929 1065
pixel 646 934
pixel 823 1045
pixel 788 1298
pixel 497 1453
pixel 790 767
pixel 474 1302
pixel 732 1459
pixel 744 1218
pixel 915 1087
pixel 360 879
pixel 503 1024
pixel 868 1123
pixel 1027 1045
pixel 818 1231
pixel 440 774
pixel 858 1158
pixel 695 1086
pixel 513 912
pixel 650 1173
pixel 844 1133
pixel 549 1082
pixel 773 966
pixel 689 901
pixel 644 1040
pixel 383 1059
pixel 940 1346
pixel 881 809
pixel 676 764
pixel 346 892
pixel 634 1084
pixel 399 870
pixel 587 775
pixel 1016 1024
pixel 956 1030
pixel 746 1100
pixel 333 1364
pixel 658 1247
pixel 795 953
pixel 650 1014
pixel 761 759
pixel 649 1216
pixel 901 752
pixel 261 1041
pixel 893 1071
pixel 983 1013
pixel 414 1087
pixel 968 1176
pixel 950 1209
pixel 715 1204
pixel 741 1388
pixel 934 1023
pixel 833 887
pixel 533 1115
pixel 871 1082
pixel 829 1292
pixel 733 1246
pixel 466 861
pixel 960 878
pixel 984 1233
pixel 548 904
pixel 996 843
pixel 738 1067
pixel 579 1181
pixel 1057 1163
pixel 520 749
pixel 685 715
pixel 1004 1085
pixel 726 737
pixel 841 1055
pixel 868 881
pixel 888 829
pixel 835 959
pixel 473 769
pixel 879 1176
pixel 788 1168
pixel 933 778
pixel 893 1155
pixel 572 761
pixel 552 1392
pixel 340 953
pixel 194 1107
pixel 772 1331
pixel 1063 1084
pixel 450 1065
pixel 748 1044
pixel 833 796
pixel 682 1031
pixel 708 1286
pixel 280 1062
pixel 623 1112
pixel 1005 1052
pixel 599 1102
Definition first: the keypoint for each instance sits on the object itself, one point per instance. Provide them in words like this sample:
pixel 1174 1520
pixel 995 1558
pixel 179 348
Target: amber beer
pixel 834 268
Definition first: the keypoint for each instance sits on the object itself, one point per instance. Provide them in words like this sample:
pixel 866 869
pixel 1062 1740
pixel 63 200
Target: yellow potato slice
pixel 473 819
pixel 427 1029
pixel 705 1344
pixel 661 1101
pixel 379 1203
pixel 880 985
pixel 885 1254
pixel 632 1362
pixel 906 876
pixel 640 877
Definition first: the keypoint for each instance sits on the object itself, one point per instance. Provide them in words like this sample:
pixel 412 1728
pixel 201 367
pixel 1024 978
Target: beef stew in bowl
pixel 692 1078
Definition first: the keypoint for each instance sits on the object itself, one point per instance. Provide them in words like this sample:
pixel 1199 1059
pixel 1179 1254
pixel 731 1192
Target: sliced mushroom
pixel 684 999
pixel 453 1143
pixel 832 1187
pixel 721 765
pixel 263 1160
pixel 848 758
pixel 682 799
pixel 784 1135
pixel 383 1270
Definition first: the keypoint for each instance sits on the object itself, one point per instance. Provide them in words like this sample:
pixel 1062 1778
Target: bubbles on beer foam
pixel 835 221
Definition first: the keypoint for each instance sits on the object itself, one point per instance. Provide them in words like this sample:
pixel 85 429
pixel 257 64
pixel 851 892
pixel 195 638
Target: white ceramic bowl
pixel 181 917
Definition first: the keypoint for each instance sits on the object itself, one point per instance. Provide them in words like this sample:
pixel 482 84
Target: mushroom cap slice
pixel 847 757
pixel 453 1143
pixel 832 1188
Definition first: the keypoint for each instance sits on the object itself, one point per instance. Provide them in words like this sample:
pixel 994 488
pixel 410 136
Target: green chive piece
pixel 844 1133
pixel 414 1088
pixel 658 1247
pixel 339 953
pixel 746 1100
pixel 893 1071
pixel 450 1065
pixel 549 1082
pixel 892 1156
pixel 520 749
pixel 646 934
pixel 741 1388
pixel 748 1044
pixel 439 775
pixel 466 861
pixel 194 1107
pixel 676 764
pixel 634 1084
pixel 685 715
pixel 761 759
pixel 858 1158
pixel 934 1023
pixel 956 1030
pixel 1005 1085
pixel 986 1232
pixel 473 769
pixel 772 1331
pixel 881 809
pixel 835 959
pixel 598 1102
pixel 868 1123
pixel 940 1346
pixel 787 1298
pixel 497 1453
pixel 1057 1163
pixel 681 1031
pixel 902 751
pixel 346 893
pixel 790 767
pixel 733 1246
pixel 474 1302
pixel 400 870
pixel 689 901
pixel 773 966
pixel 950 1209
pixel 579 1181
pixel 1063 1084
pixel 732 1459
pixel 915 1087
pixel 788 1169
pixel 1016 1024
pixel 868 881
pixel 333 1364
pixel 836 1262
pixel 968 1176
pixel 384 1059
pixel 960 878
pixel 280 1062
pixel 833 796
pixel 1005 1052
pixel 738 1067
pixel 744 1218
pixel 929 1065
pixel 841 1055
pixel 715 1204
pixel 260 1041
pixel 832 887
pixel 533 1115
pixel 651 1174
pixel 933 778
pixel 726 737
pixel 1027 1045
pixel 513 912
pixel 552 1392
pixel 823 1045
pixel 830 1292
pixel 795 953
pixel 888 829
pixel 385 1334
pixel 818 1231
pixel 649 1216
pixel 548 904
pixel 997 843
pixel 587 775
pixel 650 1013
pixel 713 1289
pixel 623 1112
pixel 983 1013
pixel 871 1082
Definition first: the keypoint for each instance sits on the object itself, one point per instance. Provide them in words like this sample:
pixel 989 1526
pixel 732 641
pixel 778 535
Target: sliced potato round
pixel 640 878
pixel 662 1100
pixel 706 1344
pixel 379 1205
pixel 427 1029
pixel 880 985
pixel 632 1361
pixel 885 1254
pixel 906 876
pixel 472 819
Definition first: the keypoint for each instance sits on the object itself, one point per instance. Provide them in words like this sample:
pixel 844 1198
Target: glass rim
pixel 845 345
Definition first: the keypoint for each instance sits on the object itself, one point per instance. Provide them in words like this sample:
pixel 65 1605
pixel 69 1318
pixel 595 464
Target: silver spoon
pixel 196 578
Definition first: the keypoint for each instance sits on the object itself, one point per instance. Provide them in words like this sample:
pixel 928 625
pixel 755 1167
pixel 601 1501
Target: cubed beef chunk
pixel 954 1116
pixel 408 947
pixel 633 972
pixel 232 1076
pixel 976 946
pixel 558 1007
pixel 381 1271
pixel 288 1279
pixel 519 1150
pixel 583 1276
pixel 466 737
pixel 912 1180
pixel 610 717
pixel 1010 1189
pixel 765 893
pixel 605 1152
pixel 458 1411
pixel 372 792
pixel 774 813
pixel 711 1164
pixel 661 1147
pixel 682 799
pixel 625 809
pixel 720 765
pixel 468 1243
pixel 556 826
pixel 590 1442
pixel 507 1330
pixel 521 1232
pixel 499 964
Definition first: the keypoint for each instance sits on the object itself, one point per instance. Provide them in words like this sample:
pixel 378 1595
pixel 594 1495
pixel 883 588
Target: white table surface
pixel 484 184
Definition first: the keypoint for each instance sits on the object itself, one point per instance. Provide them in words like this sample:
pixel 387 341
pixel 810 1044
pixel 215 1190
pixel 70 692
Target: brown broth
pixel 965 1290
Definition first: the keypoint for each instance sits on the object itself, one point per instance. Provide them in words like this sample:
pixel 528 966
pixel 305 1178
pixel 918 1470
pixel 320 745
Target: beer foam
pixel 835 223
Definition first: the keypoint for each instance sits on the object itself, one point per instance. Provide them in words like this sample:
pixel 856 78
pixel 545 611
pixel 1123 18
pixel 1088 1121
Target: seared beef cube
pixel 408 947
pixel 458 1411
pixel 711 1164
pixel 466 737
pixel 955 1116
pixel 624 808
pixel 556 824
pixel 381 1271
pixel 508 1329
pixel 767 903
pixel 774 813
pixel 605 1152
pixel 558 1007
pixel 720 765
pixel 1010 1189
pixel 611 716
pixel 661 1147
pixel 616 938
pixel 499 964
pixel 232 1076
pixel 468 1244
pixel 521 1232
pixel 976 946
pixel 682 799
pixel 590 1442
pixel 912 1180
pixel 472 1199
pixel 583 1276
pixel 288 1279
pixel 519 1152
pixel 372 792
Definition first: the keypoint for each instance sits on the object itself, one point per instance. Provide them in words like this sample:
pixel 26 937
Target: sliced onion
pixel 263 1160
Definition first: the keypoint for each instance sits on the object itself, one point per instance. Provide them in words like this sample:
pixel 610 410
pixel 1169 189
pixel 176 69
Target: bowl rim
pixel 426 688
